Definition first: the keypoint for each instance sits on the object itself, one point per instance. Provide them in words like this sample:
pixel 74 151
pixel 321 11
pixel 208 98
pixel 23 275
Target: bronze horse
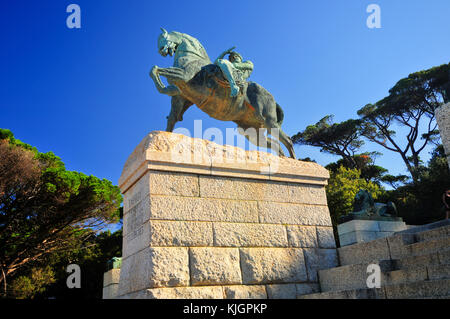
pixel 194 80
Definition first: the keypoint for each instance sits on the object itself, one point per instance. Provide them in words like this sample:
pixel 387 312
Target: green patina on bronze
pixel 365 208
pixel 114 263
pixel 219 89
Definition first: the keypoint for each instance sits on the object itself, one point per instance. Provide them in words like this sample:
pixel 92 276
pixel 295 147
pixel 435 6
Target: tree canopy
pixel 410 104
pixel 334 138
pixel 45 208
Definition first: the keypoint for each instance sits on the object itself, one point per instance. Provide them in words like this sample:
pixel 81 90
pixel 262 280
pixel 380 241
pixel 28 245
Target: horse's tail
pixel 280 115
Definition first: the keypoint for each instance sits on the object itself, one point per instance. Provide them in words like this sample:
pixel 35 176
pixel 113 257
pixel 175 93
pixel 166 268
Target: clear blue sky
pixel 85 94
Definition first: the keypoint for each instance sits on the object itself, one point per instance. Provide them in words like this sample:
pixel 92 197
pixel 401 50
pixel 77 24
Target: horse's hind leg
pixel 286 140
pixel 275 131
pixel 260 140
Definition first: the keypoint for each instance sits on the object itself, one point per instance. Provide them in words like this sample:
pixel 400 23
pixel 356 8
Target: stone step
pixel 428 246
pixel 420 289
pixel 355 276
pixel 414 290
pixel 409 269
pixel 349 276
pixel 348 294
pixel 419 240
pixel 375 250
pixel 412 262
pixel 440 232
pixel 427 227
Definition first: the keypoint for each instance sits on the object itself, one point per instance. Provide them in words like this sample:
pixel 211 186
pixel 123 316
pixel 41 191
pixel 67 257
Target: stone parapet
pixel 443 120
pixel 203 220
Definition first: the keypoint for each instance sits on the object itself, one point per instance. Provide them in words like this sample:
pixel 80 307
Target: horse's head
pixel 167 43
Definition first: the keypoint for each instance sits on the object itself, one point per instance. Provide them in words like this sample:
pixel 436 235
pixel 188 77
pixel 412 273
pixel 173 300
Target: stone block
pixel 287 291
pixel 358 225
pixel 166 267
pixel 357 237
pixel 136 193
pixel 429 246
pixel 294 214
pixel 134 273
pixel 110 292
pixel 317 259
pixel 444 257
pixel 245 292
pixel 247 189
pixel 111 277
pixel 307 288
pixel 214 266
pixel 325 235
pixel 135 217
pixel 367 252
pixel 136 240
pixel 272 265
pixel 302 236
pixel 413 262
pixel 436 272
pixel 249 235
pixel 213 292
pixel 419 289
pixel 180 233
pixel 391 226
pixel 154 267
pixel 203 209
pixel 404 276
pixel 397 244
pixel 176 184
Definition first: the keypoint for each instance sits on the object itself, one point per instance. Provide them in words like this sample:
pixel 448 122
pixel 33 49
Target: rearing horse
pixel 194 80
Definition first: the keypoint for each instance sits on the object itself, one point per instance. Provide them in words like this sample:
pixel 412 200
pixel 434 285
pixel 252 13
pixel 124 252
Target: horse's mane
pixel 194 43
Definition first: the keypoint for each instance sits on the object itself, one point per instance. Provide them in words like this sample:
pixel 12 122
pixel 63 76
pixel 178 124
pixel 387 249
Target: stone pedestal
pixel 111 283
pixel 203 220
pixel 358 231
pixel 443 120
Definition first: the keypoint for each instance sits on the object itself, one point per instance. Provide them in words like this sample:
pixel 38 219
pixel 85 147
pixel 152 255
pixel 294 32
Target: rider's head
pixel 234 57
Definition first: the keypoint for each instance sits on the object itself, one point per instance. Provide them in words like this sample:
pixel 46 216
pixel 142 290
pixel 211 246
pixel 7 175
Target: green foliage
pixel 45 209
pixel 335 138
pixel 421 202
pixel 92 258
pixel 365 163
pixel 27 287
pixel 411 104
pixel 343 185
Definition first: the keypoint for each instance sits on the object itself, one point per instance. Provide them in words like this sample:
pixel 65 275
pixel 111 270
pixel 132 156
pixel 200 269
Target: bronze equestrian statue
pixel 194 79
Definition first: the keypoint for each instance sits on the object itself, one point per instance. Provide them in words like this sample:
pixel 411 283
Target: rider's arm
pixel 244 66
pixel 220 57
pixel 223 54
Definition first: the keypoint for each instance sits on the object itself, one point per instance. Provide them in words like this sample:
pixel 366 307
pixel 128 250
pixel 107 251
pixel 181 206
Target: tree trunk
pixel 3 278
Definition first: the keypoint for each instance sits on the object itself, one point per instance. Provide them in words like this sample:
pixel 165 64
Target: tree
pixel 421 202
pixel 44 208
pixel 366 164
pixel 92 258
pixel 340 139
pixel 25 287
pixel 411 104
pixel 343 185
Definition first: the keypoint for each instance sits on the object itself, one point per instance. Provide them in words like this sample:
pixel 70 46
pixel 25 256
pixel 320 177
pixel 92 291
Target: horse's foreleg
pixel 170 90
